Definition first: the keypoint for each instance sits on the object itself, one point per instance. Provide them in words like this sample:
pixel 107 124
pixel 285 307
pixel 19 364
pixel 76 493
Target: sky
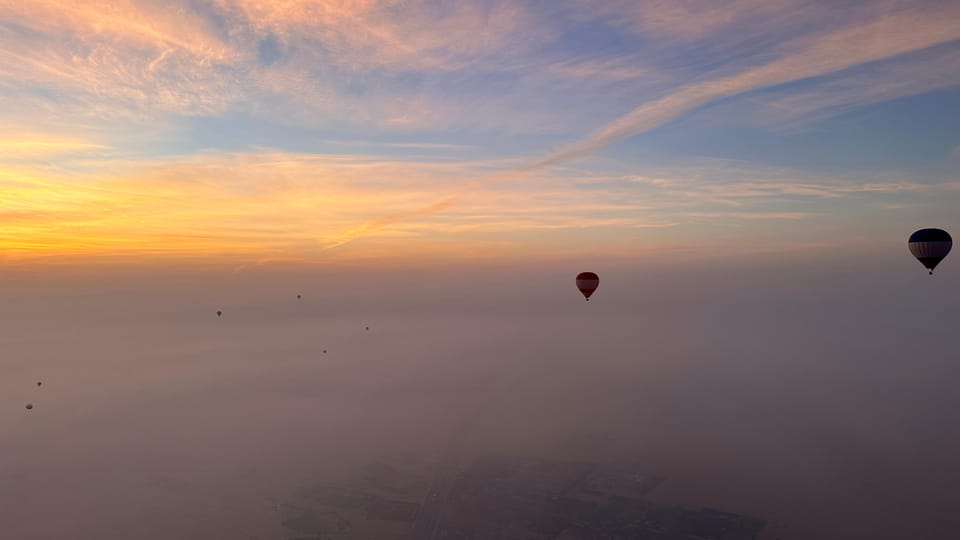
pixel 244 132
pixel 743 175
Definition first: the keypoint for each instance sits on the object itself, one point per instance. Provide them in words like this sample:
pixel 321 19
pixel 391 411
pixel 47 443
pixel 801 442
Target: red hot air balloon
pixel 587 282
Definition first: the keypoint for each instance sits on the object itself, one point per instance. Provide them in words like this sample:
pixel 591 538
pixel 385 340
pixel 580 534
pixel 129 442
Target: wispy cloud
pixel 25 145
pixel 875 83
pixel 751 215
pixel 632 66
pixel 141 126
pixel 284 204
pixel 901 32
pixel 693 20
pixel 222 204
pixel 414 35
pixel 124 53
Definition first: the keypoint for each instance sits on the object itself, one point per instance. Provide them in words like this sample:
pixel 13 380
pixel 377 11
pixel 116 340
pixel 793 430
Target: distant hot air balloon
pixel 368 329
pixel 587 282
pixel 324 351
pixel 39 383
pixel 930 246
pixel 298 297
pixel 219 313
pixel 29 406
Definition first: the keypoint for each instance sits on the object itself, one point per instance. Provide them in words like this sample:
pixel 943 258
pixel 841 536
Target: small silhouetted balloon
pixel 324 351
pixel 39 383
pixel 368 328
pixel 298 297
pixel 29 406
pixel 219 313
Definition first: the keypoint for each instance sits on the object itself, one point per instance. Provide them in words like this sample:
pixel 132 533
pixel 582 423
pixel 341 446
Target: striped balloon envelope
pixel 930 246
pixel 587 282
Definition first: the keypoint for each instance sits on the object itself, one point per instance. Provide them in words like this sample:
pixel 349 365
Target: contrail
pixel 884 37
pixel 353 234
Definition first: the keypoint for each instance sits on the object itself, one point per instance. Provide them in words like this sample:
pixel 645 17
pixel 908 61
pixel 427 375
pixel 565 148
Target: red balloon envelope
pixel 587 282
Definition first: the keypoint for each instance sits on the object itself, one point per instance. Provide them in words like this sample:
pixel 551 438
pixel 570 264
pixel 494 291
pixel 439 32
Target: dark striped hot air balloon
pixel 587 282
pixel 930 246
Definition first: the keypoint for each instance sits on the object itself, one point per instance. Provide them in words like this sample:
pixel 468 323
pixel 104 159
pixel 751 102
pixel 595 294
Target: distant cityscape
pixel 502 498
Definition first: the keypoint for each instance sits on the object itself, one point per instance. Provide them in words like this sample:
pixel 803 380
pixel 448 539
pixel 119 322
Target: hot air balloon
pixel 368 329
pixel 219 313
pixel 298 297
pixel 930 246
pixel 29 406
pixel 324 351
pixel 587 282
pixel 39 383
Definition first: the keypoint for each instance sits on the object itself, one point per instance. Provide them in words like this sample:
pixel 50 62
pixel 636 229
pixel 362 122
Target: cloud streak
pixel 887 36
pixel 219 206
pixel 281 128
